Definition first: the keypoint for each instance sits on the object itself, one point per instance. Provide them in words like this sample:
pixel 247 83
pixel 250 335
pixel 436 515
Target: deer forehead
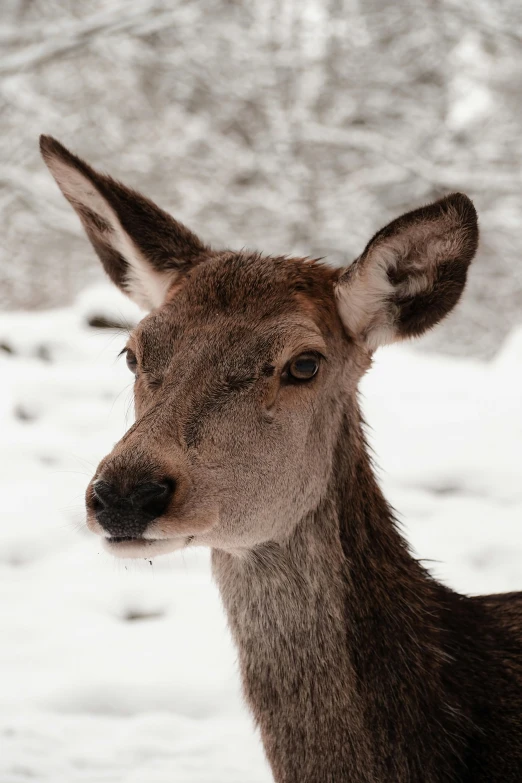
pixel 230 341
pixel 234 306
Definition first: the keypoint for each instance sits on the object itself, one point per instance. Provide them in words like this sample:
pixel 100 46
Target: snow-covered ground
pixel 114 672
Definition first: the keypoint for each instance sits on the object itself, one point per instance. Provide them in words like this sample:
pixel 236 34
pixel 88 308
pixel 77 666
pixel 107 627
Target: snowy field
pixel 125 673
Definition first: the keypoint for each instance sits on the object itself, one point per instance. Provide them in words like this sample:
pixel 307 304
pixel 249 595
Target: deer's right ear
pixel 411 273
pixel 142 248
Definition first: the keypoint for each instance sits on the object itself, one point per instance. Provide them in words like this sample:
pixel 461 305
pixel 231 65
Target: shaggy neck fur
pixel 343 643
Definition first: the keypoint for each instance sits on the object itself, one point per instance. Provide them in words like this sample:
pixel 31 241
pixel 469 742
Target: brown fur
pixel 357 665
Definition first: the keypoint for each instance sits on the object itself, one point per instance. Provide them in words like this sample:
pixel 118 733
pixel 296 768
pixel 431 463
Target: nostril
pixel 153 498
pixel 103 494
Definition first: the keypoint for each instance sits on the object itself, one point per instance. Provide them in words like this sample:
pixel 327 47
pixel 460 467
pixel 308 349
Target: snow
pixel 125 672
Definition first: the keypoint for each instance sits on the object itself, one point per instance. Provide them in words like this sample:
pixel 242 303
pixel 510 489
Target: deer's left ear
pixel 142 248
pixel 411 273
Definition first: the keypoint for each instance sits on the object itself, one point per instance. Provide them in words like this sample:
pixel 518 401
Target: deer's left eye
pixel 132 362
pixel 303 367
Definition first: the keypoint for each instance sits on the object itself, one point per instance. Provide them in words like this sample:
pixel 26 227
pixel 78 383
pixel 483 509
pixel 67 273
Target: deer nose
pixel 129 514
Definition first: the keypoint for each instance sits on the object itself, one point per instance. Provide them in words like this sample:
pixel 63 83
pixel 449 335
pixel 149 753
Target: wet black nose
pixel 129 514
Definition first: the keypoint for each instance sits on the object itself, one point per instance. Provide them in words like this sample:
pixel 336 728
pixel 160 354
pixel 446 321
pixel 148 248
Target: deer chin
pixel 147 548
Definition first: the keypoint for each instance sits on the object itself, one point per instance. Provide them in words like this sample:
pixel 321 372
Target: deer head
pixel 245 365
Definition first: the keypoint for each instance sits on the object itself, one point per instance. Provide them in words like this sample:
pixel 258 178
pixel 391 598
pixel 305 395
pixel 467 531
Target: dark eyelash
pixel 123 350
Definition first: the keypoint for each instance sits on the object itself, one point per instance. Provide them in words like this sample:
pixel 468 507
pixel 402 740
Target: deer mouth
pixel 136 547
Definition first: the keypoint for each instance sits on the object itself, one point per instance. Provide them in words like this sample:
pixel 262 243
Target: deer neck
pixel 338 631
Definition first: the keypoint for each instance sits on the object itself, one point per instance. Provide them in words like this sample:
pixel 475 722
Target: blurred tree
pixel 283 125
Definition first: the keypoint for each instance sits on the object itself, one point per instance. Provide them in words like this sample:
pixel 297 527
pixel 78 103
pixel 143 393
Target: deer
pixel 358 666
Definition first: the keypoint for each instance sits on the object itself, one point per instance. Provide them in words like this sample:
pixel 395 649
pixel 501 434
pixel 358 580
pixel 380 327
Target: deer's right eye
pixel 132 362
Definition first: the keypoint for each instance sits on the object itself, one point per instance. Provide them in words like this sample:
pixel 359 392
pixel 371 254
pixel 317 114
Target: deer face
pixel 233 396
pixel 245 365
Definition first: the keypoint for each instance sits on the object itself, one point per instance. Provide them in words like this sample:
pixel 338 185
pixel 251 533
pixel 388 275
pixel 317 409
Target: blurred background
pixel 288 126
pixel 275 124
